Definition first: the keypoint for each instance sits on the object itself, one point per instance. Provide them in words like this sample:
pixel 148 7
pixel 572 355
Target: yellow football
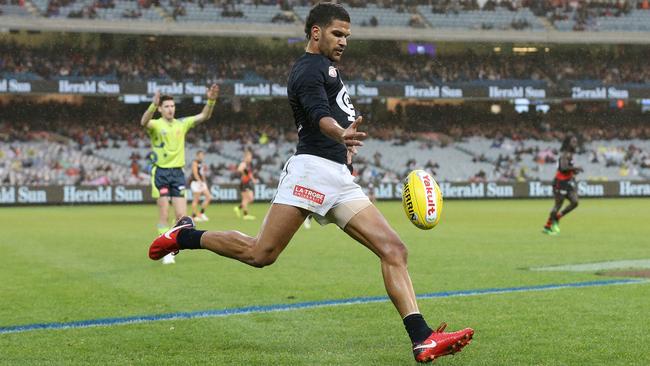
pixel 422 199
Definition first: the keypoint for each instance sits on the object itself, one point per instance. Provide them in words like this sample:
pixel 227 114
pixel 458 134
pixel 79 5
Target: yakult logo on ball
pixel 431 199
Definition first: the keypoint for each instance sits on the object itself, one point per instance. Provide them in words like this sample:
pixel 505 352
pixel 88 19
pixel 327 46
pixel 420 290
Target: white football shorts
pixel 198 187
pixel 321 186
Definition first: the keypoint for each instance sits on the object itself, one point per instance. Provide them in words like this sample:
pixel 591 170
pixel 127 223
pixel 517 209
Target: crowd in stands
pixel 58 145
pixel 543 7
pixel 179 63
pixel 469 67
pixel 583 15
pixel 587 13
pixel 44 158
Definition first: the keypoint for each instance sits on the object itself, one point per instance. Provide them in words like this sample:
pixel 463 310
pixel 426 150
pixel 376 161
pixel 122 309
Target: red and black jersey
pixel 199 168
pixel 247 176
pixel 565 167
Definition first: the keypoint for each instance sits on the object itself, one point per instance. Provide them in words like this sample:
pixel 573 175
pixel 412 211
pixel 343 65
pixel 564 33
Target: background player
pixel 564 185
pixel 199 188
pixel 317 182
pixel 246 186
pixel 168 150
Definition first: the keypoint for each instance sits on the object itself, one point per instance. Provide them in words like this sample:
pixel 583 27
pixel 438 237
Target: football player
pixel 564 185
pixel 316 181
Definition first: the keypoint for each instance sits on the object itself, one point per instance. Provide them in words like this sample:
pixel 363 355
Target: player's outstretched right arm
pixel 148 114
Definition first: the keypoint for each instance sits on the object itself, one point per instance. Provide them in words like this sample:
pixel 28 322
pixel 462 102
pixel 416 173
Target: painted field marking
pixel 598 266
pixel 298 306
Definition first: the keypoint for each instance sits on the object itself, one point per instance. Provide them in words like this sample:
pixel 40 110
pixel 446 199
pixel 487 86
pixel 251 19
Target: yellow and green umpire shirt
pixel 168 141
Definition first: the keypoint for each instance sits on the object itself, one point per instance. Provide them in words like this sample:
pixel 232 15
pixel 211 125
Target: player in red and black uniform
pixel 199 188
pixel 246 187
pixel 564 185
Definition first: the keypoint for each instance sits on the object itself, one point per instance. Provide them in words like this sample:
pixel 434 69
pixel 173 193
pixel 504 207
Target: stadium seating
pixel 602 160
pixel 120 9
pixel 499 19
pixel 446 15
pixel 206 13
pixel 390 160
pixel 388 17
pixel 635 21
pixel 14 10
pixel 48 162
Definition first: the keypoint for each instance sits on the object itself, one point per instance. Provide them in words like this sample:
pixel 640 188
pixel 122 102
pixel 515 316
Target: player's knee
pixel 263 260
pixel 396 252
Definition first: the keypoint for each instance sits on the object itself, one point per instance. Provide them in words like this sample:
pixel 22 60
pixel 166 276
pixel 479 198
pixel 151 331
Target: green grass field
pixel 62 264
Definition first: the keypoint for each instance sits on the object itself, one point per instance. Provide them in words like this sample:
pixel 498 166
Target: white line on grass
pixel 598 266
pixel 299 306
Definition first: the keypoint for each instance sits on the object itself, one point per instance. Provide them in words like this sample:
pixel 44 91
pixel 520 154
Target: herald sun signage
pixel 15 86
pixel 412 91
pixel 88 87
pixel 602 92
pixel 260 90
pixel 497 92
pixel 361 90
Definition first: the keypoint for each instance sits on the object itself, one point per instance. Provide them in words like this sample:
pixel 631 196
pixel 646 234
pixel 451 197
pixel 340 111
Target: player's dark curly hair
pixel 323 14
pixel 165 97
pixel 566 143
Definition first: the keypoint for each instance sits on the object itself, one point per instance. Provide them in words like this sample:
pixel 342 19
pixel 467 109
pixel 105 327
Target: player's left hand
pixel 351 137
pixel 213 92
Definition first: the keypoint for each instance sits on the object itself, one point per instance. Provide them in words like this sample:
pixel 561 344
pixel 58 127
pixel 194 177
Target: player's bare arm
pixel 148 114
pixel 206 113
pixel 241 168
pixel 349 137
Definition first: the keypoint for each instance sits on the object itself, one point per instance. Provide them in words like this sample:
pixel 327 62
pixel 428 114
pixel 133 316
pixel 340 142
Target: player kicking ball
pixel 317 182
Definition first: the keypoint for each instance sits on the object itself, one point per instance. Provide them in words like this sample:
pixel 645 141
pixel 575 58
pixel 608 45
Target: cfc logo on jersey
pixel 343 101
pixel 332 71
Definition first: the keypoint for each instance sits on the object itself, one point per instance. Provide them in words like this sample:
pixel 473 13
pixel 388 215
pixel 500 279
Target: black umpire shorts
pixel 168 182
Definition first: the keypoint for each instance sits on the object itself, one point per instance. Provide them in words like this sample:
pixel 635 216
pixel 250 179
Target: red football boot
pixel 166 243
pixel 441 344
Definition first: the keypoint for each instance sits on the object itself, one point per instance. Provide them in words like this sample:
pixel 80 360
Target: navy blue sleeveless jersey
pixel 315 90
